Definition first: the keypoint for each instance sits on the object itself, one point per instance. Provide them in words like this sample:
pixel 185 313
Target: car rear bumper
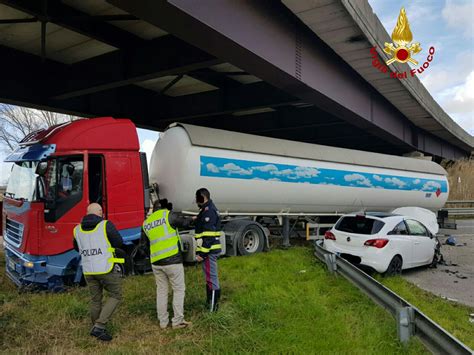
pixel 374 258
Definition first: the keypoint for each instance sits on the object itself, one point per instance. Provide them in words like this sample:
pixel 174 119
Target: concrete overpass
pixel 295 69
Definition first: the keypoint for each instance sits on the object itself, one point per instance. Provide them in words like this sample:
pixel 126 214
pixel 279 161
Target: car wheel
pixel 395 266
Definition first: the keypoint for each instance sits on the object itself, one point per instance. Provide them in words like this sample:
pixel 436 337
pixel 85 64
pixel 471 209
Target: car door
pixel 402 243
pixel 423 245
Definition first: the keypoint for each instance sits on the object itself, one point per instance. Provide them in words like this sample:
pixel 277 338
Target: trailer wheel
pixel 251 240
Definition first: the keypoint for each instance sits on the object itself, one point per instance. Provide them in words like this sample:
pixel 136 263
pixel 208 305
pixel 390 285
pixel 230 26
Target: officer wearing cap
pixel 207 233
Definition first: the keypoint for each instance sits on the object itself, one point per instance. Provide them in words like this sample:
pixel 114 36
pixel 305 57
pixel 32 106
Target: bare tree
pixel 17 122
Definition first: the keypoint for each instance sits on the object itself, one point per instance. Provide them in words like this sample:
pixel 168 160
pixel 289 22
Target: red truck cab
pixel 56 173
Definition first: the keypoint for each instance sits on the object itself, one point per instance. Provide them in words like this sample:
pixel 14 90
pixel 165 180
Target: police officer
pixel 167 262
pixel 96 239
pixel 207 226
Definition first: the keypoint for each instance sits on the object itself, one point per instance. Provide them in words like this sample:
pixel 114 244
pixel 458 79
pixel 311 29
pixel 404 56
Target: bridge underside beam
pixel 276 47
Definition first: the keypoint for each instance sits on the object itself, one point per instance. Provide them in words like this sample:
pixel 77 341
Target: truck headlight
pixel 28 264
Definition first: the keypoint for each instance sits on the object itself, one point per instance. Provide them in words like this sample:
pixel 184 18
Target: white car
pixel 386 242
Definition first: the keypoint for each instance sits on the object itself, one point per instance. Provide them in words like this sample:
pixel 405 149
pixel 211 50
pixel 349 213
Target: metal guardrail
pixel 410 320
pixel 459 211
pixel 454 202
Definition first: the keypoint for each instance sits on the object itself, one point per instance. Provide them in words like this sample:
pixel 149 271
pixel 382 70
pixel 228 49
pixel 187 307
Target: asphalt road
pixel 464 227
pixel 455 280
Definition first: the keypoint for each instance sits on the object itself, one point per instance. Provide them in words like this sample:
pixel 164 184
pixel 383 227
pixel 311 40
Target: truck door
pixel 124 189
pixel 96 181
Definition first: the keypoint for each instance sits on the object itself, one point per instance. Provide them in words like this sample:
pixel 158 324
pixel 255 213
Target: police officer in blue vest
pixel 207 233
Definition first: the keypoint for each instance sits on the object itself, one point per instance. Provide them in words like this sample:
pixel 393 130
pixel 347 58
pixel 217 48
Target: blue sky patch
pixel 254 170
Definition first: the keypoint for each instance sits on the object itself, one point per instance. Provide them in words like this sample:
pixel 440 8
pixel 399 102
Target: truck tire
pixel 250 240
pixel 127 267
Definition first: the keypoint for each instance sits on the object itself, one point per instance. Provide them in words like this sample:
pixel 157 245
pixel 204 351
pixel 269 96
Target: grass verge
pixel 452 316
pixel 282 301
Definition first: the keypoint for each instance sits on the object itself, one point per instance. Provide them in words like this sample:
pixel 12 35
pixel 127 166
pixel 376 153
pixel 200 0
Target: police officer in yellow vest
pixel 167 261
pixel 96 239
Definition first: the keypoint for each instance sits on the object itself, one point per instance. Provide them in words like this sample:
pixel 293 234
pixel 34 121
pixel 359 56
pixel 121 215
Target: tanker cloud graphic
pixel 212 168
pixel 307 173
pixel 431 185
pixel 299 172
pixel 358 179
pixel 293 173
pixel 395 182
pixel 285 172
pixel 232 168
pixel 265 168
pixel 262 171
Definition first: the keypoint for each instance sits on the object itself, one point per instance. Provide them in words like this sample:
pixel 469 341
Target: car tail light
pixel 378 243
pixel 329 235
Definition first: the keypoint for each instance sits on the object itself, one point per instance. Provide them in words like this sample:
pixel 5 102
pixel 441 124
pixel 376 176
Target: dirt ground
pixel 455 280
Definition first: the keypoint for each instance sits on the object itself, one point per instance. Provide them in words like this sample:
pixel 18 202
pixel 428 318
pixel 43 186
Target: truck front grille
pixel 14 232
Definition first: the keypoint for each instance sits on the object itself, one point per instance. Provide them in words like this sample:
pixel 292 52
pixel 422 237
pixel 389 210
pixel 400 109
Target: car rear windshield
pixel 359 225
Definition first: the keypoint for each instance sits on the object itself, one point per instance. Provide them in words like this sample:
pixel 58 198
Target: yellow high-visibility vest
pixel 164 239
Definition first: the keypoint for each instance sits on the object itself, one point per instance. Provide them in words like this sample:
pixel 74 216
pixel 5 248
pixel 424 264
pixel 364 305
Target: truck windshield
pixel 22 182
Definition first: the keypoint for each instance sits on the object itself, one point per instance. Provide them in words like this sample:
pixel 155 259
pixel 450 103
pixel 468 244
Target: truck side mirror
pixel 41 168
pixel 49 204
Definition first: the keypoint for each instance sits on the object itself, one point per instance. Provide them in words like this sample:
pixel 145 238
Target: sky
pixel 447 25
pixel 147 141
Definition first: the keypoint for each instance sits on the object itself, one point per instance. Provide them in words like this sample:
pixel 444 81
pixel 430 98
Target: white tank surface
pixel 252 174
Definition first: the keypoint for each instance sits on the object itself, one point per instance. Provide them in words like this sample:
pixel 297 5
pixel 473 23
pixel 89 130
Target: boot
pixel 214 304
pixel 100 334
pixel 208 296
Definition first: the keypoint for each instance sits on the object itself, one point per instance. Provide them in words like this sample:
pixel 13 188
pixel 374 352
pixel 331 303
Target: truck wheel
pixel 395 266
pixel 251 240
pixel 126 267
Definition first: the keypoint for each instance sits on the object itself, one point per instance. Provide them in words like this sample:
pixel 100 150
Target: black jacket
pixel 90 221
pixel 208 220
pixel 177 221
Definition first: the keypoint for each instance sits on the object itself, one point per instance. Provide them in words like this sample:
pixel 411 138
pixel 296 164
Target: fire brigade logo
pixel 402 49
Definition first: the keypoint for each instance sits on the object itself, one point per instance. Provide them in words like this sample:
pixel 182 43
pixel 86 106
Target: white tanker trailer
pixel 261 183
